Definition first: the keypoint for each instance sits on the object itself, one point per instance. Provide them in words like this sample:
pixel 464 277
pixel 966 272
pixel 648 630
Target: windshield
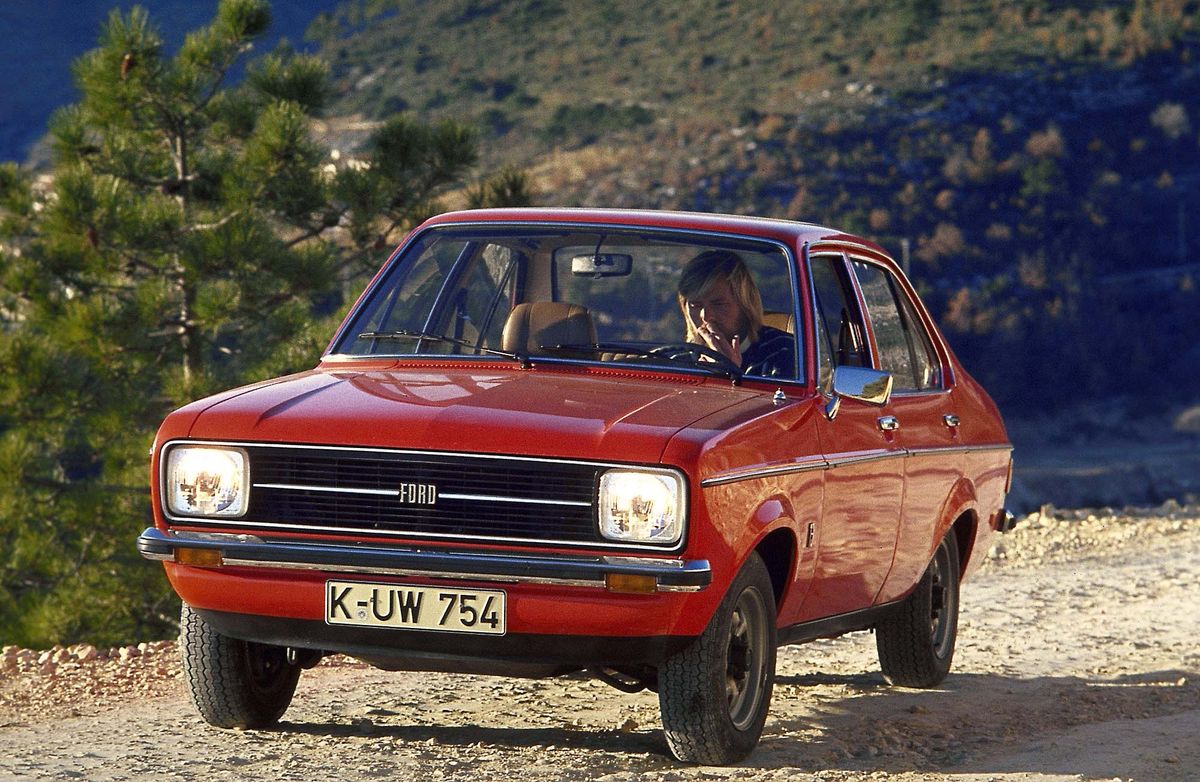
pixel 590 294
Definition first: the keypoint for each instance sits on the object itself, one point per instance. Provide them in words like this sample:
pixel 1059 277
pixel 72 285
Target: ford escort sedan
pixel 653 446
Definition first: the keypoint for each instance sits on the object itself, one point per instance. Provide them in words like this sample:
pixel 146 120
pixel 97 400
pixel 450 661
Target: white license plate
pixel 405 607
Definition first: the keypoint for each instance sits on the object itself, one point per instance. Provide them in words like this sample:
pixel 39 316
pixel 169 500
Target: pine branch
pixel 219 78
pixel 197 227
pixel 312 232
pixel 84 548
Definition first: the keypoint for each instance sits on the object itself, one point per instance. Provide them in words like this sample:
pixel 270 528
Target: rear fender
pixel 960 504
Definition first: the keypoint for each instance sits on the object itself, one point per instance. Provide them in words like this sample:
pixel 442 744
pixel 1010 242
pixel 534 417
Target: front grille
pixel 357 492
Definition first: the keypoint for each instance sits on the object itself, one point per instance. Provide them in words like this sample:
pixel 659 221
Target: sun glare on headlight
pixel 641 506
pixel 203 481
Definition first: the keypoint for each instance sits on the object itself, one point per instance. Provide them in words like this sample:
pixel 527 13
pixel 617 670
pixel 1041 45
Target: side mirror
pixel 861 384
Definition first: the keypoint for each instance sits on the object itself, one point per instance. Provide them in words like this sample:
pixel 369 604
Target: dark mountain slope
pixel 1040 160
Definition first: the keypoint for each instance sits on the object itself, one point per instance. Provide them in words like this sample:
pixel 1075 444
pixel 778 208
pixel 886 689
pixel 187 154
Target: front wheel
pixel 916 641
pixel 234 683
pixel 714 695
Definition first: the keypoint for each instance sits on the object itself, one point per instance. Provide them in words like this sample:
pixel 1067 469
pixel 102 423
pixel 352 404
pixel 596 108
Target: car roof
pixel 787 231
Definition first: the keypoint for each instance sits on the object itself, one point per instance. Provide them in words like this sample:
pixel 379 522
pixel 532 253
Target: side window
pixel 406 297
pixel 840 335
pixel 904 347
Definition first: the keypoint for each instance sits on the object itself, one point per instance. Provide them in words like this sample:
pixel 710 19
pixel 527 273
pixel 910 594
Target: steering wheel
pixel 677 350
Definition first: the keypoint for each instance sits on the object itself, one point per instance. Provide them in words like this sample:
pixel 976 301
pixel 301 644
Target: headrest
pixel 784 321
pixel 537 323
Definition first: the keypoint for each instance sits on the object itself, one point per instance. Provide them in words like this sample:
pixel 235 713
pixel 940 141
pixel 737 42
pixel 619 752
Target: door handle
pixel 889 423
pixel 951 420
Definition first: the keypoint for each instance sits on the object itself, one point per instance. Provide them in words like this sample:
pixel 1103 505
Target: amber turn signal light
pixel 199 557
pixel 630 584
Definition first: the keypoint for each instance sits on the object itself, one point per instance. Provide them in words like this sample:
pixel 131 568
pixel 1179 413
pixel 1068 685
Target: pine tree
pixel 190 238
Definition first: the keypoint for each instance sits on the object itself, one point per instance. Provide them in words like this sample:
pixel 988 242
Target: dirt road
pixel 1078 658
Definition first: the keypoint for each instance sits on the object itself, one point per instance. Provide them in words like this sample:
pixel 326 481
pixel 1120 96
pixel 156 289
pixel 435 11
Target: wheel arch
pixel 964 529
pixel 960 517
pixel 778 550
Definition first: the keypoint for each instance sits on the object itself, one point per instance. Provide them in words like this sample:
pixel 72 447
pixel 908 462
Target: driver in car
pixel 723 311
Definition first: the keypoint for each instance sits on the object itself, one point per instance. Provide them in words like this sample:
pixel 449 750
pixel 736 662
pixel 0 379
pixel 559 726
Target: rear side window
pixel 904 347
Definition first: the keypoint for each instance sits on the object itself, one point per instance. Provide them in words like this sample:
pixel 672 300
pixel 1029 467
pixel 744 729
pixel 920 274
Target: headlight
pixel 207 481
pixel 645 506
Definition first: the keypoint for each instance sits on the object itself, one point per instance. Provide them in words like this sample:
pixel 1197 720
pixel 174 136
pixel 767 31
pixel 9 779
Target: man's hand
pixel 729 348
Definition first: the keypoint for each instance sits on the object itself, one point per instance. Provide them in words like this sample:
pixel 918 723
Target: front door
pixel 864 483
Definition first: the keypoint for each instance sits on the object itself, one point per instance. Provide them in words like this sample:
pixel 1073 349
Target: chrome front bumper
pixel 669 575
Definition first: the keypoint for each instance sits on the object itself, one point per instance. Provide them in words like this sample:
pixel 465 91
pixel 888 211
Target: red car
pixel 650 445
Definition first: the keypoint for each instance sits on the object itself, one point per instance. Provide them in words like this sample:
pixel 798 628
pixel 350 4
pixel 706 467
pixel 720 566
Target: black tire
pixel 234 683
pixel 714 695
pixel 916 641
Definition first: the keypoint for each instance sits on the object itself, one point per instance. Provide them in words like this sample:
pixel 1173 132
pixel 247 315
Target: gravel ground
pixel 1078 659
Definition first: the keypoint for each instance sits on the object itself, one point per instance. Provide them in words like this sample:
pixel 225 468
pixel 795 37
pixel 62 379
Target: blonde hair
pixel 705 270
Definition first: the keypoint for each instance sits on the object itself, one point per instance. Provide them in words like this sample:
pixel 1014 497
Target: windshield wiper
pixel 685 354
pixel 600 347
pixel 420 335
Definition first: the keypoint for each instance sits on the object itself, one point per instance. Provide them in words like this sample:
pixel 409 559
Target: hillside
pixel 1040 161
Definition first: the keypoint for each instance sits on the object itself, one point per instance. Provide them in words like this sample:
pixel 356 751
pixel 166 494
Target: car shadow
pixel 822 721
pixel 610 740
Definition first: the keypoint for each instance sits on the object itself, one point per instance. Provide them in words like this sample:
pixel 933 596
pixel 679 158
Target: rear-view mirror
pixel 602 265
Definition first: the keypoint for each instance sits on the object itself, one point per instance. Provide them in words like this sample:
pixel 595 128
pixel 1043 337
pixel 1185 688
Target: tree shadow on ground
pixel 864 724
pixel 857 722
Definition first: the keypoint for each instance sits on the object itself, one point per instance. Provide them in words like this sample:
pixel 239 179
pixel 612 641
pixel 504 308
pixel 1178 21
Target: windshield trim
pixel 342 335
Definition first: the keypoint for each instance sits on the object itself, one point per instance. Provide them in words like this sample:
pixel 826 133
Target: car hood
pixel 567 413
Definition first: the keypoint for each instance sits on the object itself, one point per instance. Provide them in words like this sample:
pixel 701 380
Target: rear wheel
pixel 234 683
pixel 916 641
pixel 714 695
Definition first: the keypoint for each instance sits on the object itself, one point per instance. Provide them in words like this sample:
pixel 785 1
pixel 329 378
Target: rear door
pixel 920 413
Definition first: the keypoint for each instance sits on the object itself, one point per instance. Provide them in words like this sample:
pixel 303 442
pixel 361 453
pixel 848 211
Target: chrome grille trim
pixel 394 452
pixel 348 492
pixel 364 532
pixel 493 498
pixel 330 489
